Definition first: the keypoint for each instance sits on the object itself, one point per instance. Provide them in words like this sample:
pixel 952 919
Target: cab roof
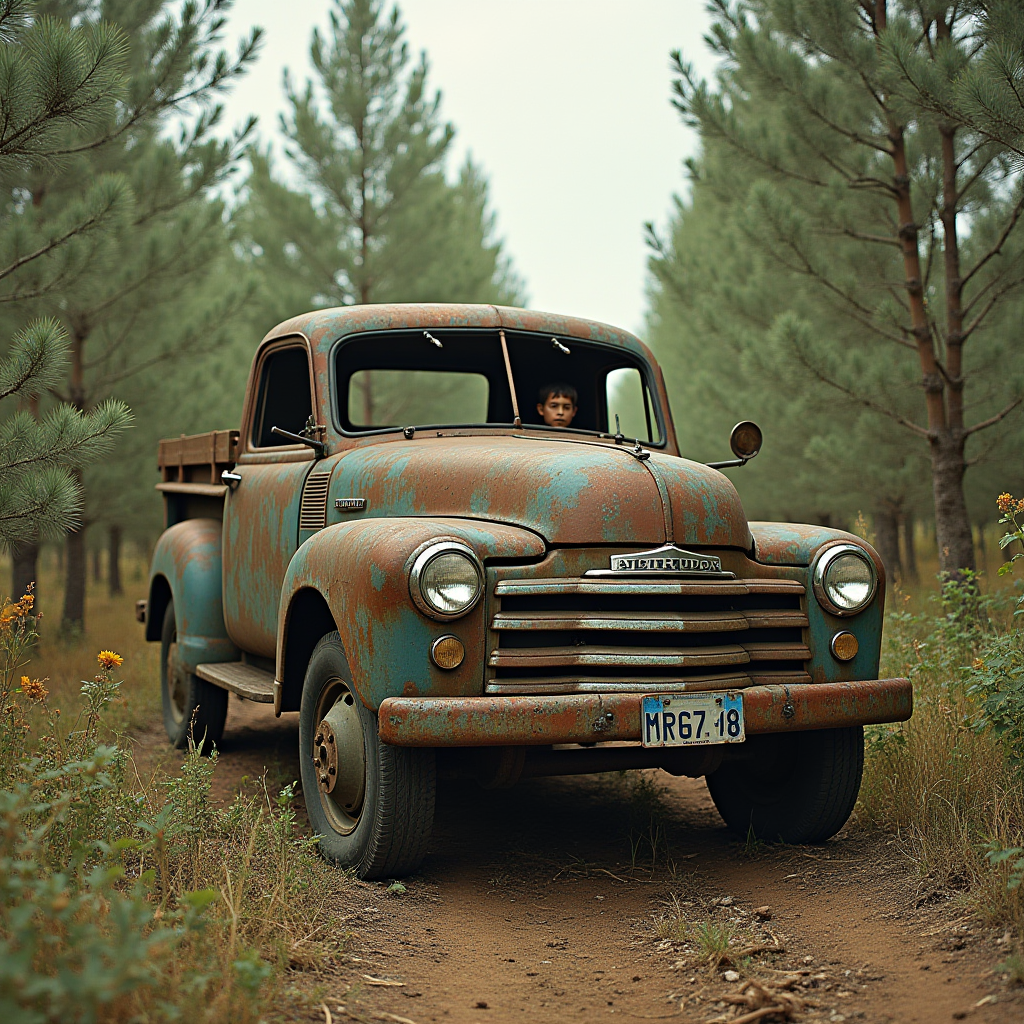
pixel 324 326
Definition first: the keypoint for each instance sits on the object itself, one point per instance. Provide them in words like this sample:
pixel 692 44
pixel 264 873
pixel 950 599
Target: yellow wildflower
pixel 34 689
pixel 108 659
pixel 1005 502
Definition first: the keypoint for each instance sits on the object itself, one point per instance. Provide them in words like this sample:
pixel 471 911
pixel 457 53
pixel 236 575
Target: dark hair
pixel 558 391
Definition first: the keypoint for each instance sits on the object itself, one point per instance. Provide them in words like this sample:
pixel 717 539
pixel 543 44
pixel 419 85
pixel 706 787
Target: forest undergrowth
pixel 949 784
pixel 126 899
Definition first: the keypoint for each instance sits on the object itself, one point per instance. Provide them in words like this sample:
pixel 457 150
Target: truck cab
pixel 398 546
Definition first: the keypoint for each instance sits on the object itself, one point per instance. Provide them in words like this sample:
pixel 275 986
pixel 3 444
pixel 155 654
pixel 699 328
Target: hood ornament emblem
pixel 665 561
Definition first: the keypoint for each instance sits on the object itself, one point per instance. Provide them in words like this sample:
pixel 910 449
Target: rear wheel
pixel 795 788
pixel 192 707
pixel 371 804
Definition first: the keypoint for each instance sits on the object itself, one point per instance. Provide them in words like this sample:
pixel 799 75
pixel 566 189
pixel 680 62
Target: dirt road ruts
pixel 539 904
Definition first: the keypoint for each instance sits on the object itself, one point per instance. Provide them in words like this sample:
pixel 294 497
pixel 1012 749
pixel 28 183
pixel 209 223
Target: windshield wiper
pixel 511 383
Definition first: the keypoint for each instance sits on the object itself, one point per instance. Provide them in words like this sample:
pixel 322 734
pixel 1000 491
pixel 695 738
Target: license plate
pixel 692 719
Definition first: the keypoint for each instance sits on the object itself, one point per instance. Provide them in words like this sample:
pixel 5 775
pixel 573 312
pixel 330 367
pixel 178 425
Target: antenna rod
pixel 511 383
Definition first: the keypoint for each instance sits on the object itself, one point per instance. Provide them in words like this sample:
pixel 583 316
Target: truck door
pixel 261 513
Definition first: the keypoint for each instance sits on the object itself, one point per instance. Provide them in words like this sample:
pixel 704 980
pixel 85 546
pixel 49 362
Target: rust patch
pixel 586 718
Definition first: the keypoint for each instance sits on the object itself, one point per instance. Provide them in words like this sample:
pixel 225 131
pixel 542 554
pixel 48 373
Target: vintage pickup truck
pixel 396 546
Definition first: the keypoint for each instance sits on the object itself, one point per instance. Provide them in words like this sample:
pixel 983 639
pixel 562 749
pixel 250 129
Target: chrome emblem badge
pixel 668 559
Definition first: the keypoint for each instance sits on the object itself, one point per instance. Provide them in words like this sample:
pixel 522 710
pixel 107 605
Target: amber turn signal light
pixel 844 646
pixel 447 652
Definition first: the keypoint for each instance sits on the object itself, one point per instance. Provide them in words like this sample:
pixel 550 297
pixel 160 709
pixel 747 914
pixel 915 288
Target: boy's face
pixel 557 411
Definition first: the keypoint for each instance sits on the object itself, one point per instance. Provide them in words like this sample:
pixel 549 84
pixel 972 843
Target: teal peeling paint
pixel 362 570
pixel 188 556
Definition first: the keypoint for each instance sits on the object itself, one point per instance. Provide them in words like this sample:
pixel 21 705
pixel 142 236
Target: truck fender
pixel 799 544
pixel 187 567
pixel 354 577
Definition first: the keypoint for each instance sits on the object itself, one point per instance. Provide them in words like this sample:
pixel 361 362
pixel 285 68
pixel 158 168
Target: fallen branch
pixel 764 1011
pixel 754 950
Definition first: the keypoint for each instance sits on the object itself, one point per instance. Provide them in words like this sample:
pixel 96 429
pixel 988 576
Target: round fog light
pixel 844 646
pixel 447 652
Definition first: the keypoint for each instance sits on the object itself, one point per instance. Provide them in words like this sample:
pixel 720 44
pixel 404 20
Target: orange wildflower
pixel 1005 502
pixel 108 659
pixel 34 689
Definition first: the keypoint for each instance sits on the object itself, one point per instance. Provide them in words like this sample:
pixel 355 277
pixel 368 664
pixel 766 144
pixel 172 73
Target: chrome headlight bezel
pixel 819 578
pixel 422 561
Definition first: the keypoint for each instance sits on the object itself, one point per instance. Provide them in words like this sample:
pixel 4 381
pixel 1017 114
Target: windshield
pixel 391 380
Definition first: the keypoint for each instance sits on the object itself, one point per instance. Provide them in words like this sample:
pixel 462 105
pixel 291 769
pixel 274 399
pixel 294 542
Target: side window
pixel 283 399
pixel 628 399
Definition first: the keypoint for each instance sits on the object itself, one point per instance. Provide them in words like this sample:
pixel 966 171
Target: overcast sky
pixel 565 105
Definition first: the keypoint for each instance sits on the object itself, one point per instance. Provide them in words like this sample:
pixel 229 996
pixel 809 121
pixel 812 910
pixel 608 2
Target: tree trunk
pixel 25 569
pixel 97 564
pixel 942 385
pixel 909 553
pixel 887 541
pixel 952 523
pixel 114 549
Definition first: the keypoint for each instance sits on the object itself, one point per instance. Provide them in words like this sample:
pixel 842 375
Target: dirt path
pixel 540 904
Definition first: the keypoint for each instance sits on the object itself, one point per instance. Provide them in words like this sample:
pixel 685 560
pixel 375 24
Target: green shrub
pixel 122 903
pixel 948 783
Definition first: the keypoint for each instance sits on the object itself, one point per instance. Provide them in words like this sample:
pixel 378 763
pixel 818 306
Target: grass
pixel 110 622
pixel 646 828
pixel 176 905
pixel 947 786
pixel 708 937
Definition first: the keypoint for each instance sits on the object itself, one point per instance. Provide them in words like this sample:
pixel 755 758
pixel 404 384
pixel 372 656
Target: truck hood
pixel 569 492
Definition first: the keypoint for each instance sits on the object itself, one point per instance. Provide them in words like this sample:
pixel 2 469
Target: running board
pixel 245 680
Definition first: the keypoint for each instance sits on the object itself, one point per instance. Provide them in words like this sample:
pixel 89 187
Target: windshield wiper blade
pixel 511 383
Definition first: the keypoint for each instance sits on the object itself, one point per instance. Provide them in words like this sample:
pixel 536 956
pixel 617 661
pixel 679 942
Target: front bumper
pixel 589 718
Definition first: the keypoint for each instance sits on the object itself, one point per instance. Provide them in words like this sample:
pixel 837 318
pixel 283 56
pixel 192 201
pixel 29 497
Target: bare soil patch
pixel 543 902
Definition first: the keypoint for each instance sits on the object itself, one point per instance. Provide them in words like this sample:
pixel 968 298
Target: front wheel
pixel 371 804
pixel 193 708
pixel 794 788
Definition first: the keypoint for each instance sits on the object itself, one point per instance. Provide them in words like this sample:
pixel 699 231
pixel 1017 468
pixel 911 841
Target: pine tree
pixel 985 95
pixel 715 309
pixel 123 309
pixel 39 494
pixel 374 218
pixel 59 87
pixel 864 194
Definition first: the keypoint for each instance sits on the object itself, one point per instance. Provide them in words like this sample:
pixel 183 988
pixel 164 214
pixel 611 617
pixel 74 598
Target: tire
pixel 370 804
pixel 795 788
pixel 193 708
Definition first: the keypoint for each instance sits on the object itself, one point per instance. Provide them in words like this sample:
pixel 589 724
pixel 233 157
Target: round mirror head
pixel 745 440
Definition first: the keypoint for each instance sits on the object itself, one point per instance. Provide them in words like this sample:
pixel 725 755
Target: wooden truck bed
pixel 190 468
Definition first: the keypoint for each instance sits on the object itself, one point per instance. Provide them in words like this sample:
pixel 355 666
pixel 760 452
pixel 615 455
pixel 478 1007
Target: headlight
pixel 844 579
pixel 446 580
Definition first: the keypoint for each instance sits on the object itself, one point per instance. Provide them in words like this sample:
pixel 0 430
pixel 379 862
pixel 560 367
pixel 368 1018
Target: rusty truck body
pixel 394 546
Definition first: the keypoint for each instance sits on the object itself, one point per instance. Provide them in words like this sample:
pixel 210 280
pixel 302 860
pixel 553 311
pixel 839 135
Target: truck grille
pixel 615 636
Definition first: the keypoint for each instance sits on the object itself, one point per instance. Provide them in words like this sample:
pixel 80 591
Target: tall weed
pixel 125 902
pixel 949 781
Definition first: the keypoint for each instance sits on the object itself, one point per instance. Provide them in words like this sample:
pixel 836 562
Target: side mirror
pixel 745 440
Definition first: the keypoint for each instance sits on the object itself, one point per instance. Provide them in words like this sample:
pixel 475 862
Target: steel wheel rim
pixel 337 715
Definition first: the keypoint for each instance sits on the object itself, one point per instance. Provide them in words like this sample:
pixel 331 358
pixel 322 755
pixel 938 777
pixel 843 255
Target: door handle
pixel 231 479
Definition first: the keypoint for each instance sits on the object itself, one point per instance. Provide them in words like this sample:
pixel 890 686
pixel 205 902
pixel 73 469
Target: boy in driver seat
pixel 557 405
